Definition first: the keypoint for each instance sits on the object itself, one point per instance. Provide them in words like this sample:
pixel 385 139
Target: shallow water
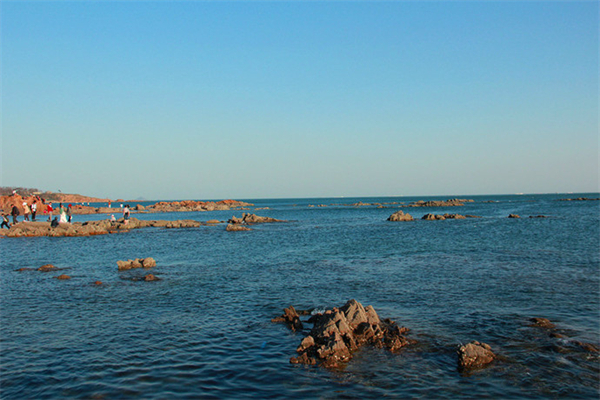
pixel 204 330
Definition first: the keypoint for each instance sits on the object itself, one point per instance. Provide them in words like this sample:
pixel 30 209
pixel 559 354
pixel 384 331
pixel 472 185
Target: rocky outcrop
pixel 191 205
pixel 581 199
pixel 440 203
pixel 433 217
pixel 148 262
pixel 400 216
pixel 90 228
pixel 474 355
pixel 337 333
pixel 514 216
pixel 250 219
pixel 236 227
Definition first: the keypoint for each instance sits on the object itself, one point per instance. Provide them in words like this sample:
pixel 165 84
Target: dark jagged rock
pixel 474 355
pixel 400 216
pixel 337 333
pixel 291 318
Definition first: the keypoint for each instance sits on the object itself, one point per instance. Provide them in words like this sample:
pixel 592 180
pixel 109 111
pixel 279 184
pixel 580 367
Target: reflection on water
pixel 204 330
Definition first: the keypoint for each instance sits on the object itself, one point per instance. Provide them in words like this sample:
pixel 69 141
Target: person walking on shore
pixel 69 215
pixel 5 221
pixel 33 211
pixel 15 213
pixel 26 211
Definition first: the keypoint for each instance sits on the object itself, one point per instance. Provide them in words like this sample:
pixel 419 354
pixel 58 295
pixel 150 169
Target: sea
pixel 204 330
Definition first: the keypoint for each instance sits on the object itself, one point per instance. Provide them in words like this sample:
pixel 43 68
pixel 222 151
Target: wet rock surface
pixel 337 333
pixel 474 355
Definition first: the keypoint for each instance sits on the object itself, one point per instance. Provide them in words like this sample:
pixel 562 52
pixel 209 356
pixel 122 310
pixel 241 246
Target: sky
pixel 279 99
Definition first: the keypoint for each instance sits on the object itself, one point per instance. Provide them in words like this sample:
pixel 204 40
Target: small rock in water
pixel 542 323
pixel 63 277
pixel 47 268
pixel 474 355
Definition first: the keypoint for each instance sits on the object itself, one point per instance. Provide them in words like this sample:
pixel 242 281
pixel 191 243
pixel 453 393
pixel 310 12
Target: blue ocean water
pixel 204 330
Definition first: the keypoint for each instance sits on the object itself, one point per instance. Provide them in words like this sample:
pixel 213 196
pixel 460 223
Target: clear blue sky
pixel 204 100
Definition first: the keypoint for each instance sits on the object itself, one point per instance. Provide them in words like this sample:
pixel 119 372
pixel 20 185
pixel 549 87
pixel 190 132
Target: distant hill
pixel 50 196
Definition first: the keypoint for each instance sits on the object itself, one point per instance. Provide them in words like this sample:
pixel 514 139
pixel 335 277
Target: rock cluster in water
pixel 241 224
pixel 440 203
pixel 190 205
pixel 337 333
pixel 400 216
pixel 148 262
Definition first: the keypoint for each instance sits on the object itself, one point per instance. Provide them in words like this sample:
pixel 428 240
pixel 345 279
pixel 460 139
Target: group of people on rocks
pixel 65 213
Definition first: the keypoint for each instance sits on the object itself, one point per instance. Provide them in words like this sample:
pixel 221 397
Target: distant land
pixel 51 196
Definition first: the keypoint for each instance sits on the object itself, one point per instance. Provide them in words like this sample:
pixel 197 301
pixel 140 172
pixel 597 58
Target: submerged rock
pixel 474 355
pixel 63 277
pixel 47 268
pixel 542 323
pixel 337 333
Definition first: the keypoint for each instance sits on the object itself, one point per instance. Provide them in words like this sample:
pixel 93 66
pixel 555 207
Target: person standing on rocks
pixel 33 210
pixel 69 213
pixel 15 213
pixel 26 211
pixel 49 210
pixel 63 213
pixel 126 214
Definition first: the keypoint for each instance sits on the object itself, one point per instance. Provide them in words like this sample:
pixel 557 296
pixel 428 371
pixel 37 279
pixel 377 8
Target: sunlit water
pixel 204 330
